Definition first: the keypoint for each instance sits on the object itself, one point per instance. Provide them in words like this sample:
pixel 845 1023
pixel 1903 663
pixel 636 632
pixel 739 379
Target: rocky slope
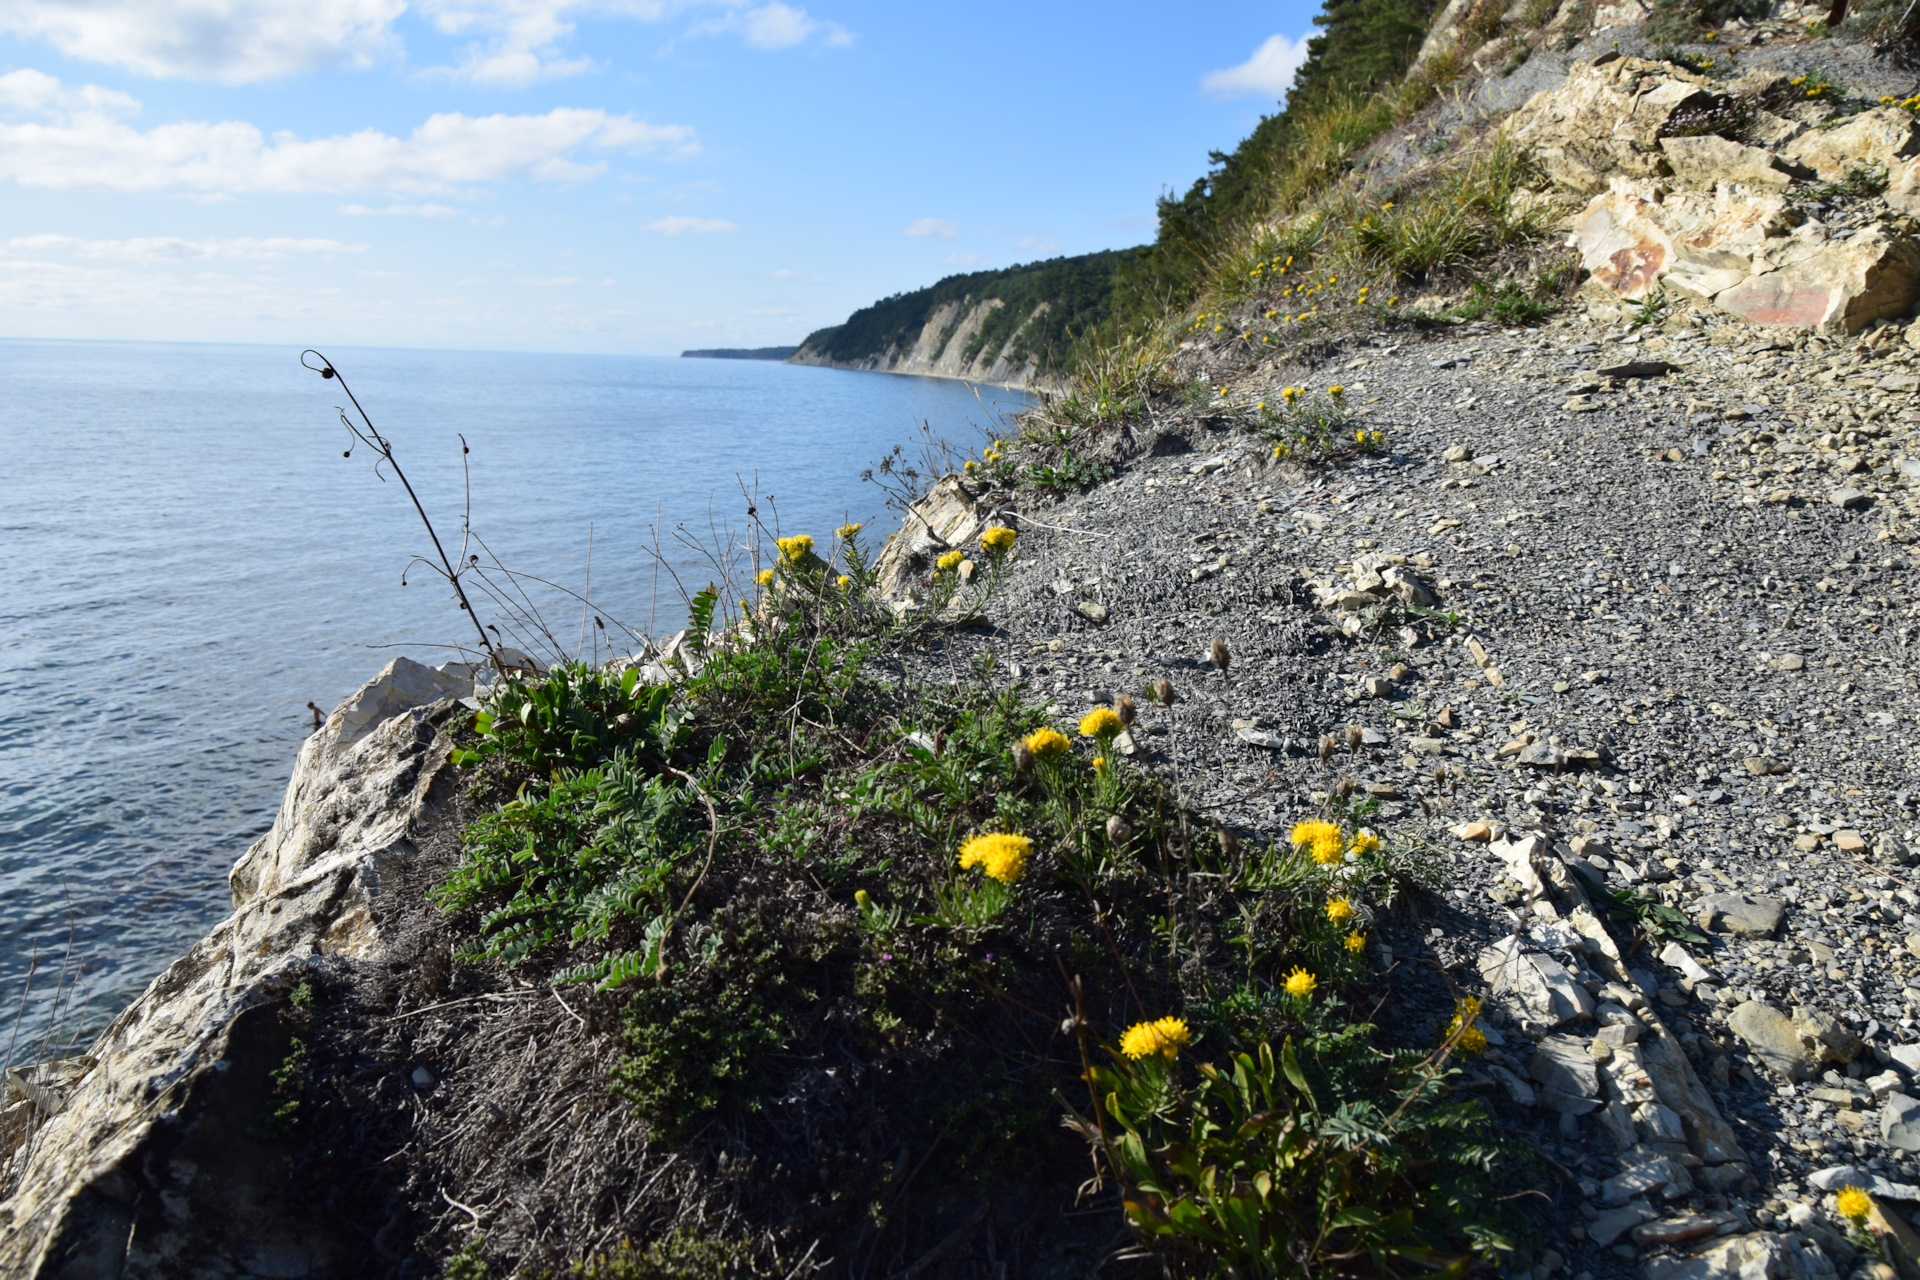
pixel 1682 668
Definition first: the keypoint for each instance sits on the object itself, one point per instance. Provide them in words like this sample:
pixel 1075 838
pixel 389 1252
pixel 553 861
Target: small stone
pixel 1457 453
pixel 1615 1223
pixel 1761 766
pixel 1674 1230
pixel 1377 687
pixel 422 1078
pixel 1474 832
pixel 1772 1036
pixel 1885 1083
pixel 1636 1182
pixel 1261 738
pixel 1092 611
pixel 1780 497
pixel 1849 842
pixel 1848 498
pixel 1744 915
pixel 1900 1122
pixel 1789 662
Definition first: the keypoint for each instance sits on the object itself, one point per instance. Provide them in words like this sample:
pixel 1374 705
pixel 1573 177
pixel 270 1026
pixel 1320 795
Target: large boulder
pixel 949 515
pixel 1609 120
pixel 1881 137
pixel 1736 250
pixel 1707 160
pixel 184 1070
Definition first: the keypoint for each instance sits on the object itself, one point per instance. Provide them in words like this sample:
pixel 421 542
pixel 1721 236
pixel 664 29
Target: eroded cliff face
pixel 109 1174
pixel 940 349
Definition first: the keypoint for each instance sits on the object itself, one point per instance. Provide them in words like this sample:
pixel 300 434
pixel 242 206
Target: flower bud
pixel 1229 843
pixel 1218 655
pixel 1022 759
pixel 1345 789
pixel 1123 705
pixel 862 899
pixel 1118 829
pixel 1163 691
pixel 1355 736
pixel 1327 744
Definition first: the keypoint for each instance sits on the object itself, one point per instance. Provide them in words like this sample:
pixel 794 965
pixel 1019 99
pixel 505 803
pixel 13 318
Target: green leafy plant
pixel 1642 911
pixel 1294 1163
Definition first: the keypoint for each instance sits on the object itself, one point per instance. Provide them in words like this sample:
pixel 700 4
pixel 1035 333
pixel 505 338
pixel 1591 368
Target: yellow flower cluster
pixel 1811 88
pixel 1472 1040
pixel 1339 911
pixel 843 580
pixel 764 577
pixel 1002 857
pixel 998 539
pixel 1853 1204
pixel 1321 839
pixel 1101 722
pixel 1355 943
pixel 951 560
pixel 1161 1038
pixel 795 548
pixel 1336 391
pixel 846 531
pixel 1300 984
pixel 1906 104
pixel 1046 744
pixel 1291 394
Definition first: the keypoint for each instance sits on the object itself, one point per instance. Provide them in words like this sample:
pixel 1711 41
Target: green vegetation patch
pixel 817 886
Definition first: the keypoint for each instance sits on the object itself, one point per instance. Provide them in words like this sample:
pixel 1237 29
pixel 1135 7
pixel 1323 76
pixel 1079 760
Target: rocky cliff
pixel 1013 327
pixel 942 349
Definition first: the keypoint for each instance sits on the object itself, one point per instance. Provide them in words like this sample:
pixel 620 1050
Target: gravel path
pixel 1687 606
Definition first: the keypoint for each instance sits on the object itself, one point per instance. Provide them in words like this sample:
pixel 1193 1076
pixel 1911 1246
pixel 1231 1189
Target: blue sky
pixel 631 176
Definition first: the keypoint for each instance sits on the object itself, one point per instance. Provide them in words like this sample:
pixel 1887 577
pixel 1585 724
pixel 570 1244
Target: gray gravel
pixel 1658 575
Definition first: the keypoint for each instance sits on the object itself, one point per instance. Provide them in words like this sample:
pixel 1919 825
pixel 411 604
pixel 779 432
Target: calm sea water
pixel 189 560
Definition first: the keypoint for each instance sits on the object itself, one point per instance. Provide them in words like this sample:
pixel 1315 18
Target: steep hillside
pixel 1015 325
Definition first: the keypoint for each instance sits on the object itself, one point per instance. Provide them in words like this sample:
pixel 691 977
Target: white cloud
pixel 774 26
pixel 514 42
pixel 93 151
pixel 401 211
pixel 932 227
pixel 1037 244
pixel 1268 73
pixel 174 249
pixel 231 41
pixel 41 94
pixel 691 226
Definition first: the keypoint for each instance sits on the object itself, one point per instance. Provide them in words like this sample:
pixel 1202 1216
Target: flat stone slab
pixel 1745 915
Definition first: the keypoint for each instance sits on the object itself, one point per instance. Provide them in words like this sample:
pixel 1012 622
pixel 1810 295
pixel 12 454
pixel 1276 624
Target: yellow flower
pixel 1047 743
pixel 765 576
pixel 1101 722
pixel 1300 984
pixel 951 560
pixel 1163 1037
pixel 1321 839
pixel 1854 1204
pixel 1339 911
pixel 1336 391
pixel 1364 842
pixel 796 547
pixel 843 579
pixel 846 531
pixel 1394 301
pixel 1472 1040
pixel 1386 206
pixel 972 465
pixel 862 899
pixel 998 538
pixel 1100 765
pixel 1002 857
pixel 1355 943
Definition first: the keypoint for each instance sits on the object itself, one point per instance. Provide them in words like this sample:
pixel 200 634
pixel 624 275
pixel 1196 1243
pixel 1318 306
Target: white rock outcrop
pixel 304 890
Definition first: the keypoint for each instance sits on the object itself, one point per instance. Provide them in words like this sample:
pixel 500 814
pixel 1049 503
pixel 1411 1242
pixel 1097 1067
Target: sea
pixel 195 548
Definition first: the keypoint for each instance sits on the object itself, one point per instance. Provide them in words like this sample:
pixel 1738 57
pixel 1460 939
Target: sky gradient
pixel 627 176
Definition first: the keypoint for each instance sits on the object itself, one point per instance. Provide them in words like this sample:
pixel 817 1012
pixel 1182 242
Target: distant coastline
pixel 740 353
